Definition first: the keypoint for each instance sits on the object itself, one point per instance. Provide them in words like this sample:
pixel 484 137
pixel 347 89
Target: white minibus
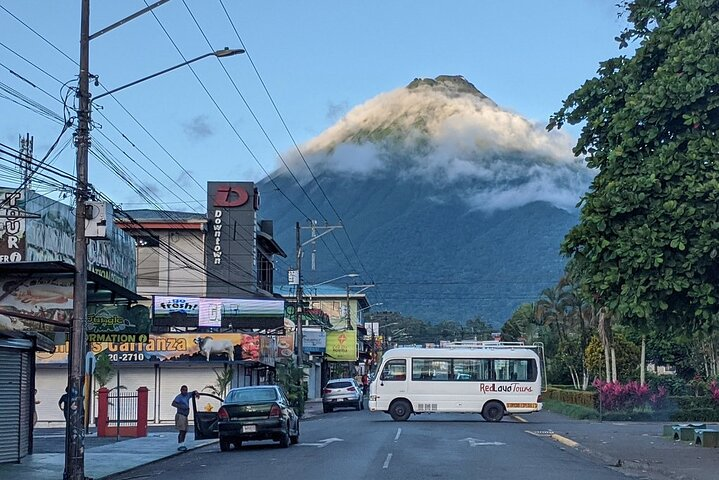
pixel 491 378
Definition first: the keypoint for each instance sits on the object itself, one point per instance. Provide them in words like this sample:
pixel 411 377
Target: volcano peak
pixel 452 84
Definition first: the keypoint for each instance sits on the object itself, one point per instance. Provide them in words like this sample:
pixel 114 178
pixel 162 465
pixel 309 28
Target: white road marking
pixel 399 432
pixel 322 443
pixel 473 442
pixel 386 462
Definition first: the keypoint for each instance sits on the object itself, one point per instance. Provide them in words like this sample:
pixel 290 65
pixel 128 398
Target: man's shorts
pixel 181 422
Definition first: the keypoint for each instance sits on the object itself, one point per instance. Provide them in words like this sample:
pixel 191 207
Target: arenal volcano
pixel 454 207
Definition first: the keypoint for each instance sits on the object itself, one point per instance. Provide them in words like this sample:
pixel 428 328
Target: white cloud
pixel 436 135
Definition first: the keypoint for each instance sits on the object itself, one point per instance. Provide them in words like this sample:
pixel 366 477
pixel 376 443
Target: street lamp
pixel 226 52
pixel 74 435
pixel 361 288
pixel 370 306
pixel 346 275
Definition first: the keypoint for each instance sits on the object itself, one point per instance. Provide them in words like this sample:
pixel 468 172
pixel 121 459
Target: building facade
pixel 36 305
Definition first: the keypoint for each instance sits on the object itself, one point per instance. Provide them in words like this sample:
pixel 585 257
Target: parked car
pixel 250 413
pixel 342 392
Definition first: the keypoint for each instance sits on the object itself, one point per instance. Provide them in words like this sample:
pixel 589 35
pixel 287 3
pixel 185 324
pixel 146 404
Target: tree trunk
pixel 605 334
pixel 607 365
pixel 575 377
pixel 614 365
pixel 643 366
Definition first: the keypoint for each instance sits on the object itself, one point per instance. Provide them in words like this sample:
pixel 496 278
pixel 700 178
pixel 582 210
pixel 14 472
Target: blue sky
pixel 316 59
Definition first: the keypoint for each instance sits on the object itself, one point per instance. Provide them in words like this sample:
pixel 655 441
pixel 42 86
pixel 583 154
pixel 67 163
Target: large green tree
pixel 648 236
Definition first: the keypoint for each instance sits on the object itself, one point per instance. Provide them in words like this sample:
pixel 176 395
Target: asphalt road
pixel 351 445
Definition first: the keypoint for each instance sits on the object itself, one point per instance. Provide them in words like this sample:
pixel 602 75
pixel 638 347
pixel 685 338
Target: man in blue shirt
pixel 182 404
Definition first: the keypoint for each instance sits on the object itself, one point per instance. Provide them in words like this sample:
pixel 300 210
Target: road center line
pixel 399 432
pixel 386 462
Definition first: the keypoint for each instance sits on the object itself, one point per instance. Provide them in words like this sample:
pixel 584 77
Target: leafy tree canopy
pixel 648 236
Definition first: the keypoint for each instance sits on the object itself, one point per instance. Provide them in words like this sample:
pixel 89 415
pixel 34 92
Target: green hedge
pixel 677 408
pixel 575 397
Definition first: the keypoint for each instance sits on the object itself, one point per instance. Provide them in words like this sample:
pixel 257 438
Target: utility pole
pixel 26 153
pixel 349 318
pixel 74 432
pixel 298 308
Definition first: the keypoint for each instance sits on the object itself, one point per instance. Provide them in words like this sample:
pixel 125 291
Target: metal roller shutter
pixel 10 376
pixel 171 379
pixel 25 403
pixel 50 384
pixel 133 378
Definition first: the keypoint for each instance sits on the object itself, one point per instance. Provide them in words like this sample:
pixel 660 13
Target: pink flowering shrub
pixel 714 391
pixel 615 396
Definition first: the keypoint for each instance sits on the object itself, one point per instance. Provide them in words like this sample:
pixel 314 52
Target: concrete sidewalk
pixel 104 460
pixel 115 457
pixel 636 448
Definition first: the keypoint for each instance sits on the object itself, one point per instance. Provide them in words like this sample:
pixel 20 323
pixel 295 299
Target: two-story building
pixel 207 281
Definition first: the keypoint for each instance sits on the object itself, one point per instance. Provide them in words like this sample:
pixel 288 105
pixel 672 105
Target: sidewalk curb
pixel 618 463
pixel 565 441
pixel 172 455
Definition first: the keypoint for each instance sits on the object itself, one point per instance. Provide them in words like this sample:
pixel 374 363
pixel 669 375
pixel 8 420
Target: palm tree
pixel 552 308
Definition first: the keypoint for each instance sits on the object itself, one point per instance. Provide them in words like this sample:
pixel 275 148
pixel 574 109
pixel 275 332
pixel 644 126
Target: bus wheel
pixel 400 410
pixel 493 411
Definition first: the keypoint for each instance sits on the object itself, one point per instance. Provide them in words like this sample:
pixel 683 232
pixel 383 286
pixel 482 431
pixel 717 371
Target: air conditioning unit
pixel 99 220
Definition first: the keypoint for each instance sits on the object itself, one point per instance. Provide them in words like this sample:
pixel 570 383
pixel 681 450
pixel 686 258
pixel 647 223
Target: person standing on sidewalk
pixel 64 403
pixel 182 404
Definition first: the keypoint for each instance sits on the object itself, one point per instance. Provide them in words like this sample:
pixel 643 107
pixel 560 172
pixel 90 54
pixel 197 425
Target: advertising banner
pixel 286 342
pixel 12 226
pixel 231 237
pixel 314 340
pixel 184 347
pixel 118 323
pixel 42 299
pixel 341 346
pixel 175 311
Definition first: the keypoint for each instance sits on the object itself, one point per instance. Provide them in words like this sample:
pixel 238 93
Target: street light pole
pixel 74 427
pixel 74 435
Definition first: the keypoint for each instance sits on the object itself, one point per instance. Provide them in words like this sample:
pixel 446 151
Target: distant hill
pixel 455 207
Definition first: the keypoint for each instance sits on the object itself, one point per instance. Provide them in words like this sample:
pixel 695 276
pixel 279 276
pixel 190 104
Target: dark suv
pixel 342 392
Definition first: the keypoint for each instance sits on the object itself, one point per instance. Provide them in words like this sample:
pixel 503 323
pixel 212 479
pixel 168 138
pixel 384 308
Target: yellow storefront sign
pixel 341 346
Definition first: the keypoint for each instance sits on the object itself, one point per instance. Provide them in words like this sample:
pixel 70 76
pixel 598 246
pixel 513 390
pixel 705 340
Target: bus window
pixel 470 369
pixel 430 369
pixel 394 370
pixel 514 370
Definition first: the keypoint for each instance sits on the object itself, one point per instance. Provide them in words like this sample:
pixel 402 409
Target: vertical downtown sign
pixel 231 240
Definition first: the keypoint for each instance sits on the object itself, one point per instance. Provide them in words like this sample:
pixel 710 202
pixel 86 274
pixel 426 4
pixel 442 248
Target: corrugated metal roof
pixel 165 215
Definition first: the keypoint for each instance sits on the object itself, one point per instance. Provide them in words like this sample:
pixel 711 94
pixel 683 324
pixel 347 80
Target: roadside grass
pixel 573 411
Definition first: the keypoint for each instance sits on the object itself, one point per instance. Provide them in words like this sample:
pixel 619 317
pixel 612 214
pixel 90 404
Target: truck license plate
pixel 249 429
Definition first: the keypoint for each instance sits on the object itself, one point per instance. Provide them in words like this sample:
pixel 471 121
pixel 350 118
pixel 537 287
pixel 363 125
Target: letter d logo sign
pixel 227 196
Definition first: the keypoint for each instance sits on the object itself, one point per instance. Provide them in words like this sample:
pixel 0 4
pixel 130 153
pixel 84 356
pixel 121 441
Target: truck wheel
pixel 493 411
pixel 400 410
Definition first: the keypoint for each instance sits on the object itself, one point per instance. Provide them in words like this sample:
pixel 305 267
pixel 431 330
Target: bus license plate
pixel 249 429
